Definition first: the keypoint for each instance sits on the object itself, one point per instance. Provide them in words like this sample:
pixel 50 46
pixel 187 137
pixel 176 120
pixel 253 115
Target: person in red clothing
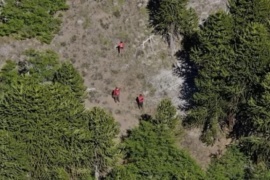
pixel 116 94
pixel 140 100
pixel 120 47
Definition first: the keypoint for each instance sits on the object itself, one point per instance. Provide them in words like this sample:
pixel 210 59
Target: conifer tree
pixel 42 65
pixel 15 163
pixel 166 114
pixel 151 154
pixel 45 121
pixel 171 18
pixel 257 125
pixel 248 11
pixel 69 76
pixel 104 131
pixel 231 57
pixel 214 58
pixel 232 165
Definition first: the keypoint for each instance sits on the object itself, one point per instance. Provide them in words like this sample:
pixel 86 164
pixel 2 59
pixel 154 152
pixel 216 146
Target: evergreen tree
pixel 231 57
pixel 171 18
pixel 151 154
pixel 104 131
pixel 232 165
pixel 69 76
pixel 166 114
pixel 47 133
pixel 257 125
pixel 31 18
pixel 14 159
pixel 42 65
pixel 43 117
pixel 214 58
pixel 248 11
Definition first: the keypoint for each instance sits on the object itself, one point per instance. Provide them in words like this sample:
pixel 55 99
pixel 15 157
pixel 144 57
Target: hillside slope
pixel 89 34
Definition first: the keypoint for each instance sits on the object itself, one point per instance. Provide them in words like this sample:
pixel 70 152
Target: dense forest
pixel 46 132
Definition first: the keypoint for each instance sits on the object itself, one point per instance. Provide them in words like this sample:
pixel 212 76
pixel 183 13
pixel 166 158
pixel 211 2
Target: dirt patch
pixel 200 151
pixel 206 7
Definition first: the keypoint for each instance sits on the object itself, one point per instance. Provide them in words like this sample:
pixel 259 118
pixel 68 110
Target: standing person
pixel 140 100
pixel 116 94
pixel 120 47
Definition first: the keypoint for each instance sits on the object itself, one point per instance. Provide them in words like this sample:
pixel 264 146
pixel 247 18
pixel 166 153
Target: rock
pixel 79 22
pixel 90 89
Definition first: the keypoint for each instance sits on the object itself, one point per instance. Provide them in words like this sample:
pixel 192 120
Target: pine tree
pixel 42 65
pixel 257 125
pixel 171 18
pixel 166 115
pixel 45 121
pixel 231 57
pixel 232 165
pixel 14 159
pixel 69 76
pixel 104 131
pixel 214 58
pixel 248 11
pixel 151 154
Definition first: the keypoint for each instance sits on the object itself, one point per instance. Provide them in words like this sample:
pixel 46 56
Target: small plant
pixel 140 76
pixel 86 23
pixel 124 36
pixel 116 13
pixel 63 44
pixel 97 76
pixel 73 38
pixel 103 24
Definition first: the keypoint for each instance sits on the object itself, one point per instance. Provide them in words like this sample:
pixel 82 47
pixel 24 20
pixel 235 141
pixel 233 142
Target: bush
pixel 31 18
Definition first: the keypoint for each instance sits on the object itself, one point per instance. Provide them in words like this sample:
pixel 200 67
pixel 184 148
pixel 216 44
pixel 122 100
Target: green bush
pixel 31 18
pixel 231 166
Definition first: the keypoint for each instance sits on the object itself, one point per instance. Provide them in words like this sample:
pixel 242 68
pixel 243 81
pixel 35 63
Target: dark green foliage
pixel 47 133
pixel 248 11
pixel 8 75
pixel 257 123
pixel 258 172
pixel 44 118
pixel 14 159
pixel 171 16
pixel 252 53
pixel 214 58
pixel 31 18
pixel 69 76
pixel 104 130
pixel 231 166
pixel 42 65
pixel 166 114
pixel 232 57
pixel 151 154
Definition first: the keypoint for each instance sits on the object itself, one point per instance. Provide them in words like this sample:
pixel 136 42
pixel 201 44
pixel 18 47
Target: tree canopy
pixel 48 133
pixel 31 18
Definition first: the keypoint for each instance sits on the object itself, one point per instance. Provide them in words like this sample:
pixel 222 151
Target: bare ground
pixel 88 36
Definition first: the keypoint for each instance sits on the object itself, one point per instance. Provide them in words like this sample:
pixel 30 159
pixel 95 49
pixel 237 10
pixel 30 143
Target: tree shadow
pixel 143 117
pixel 187 70
pixel 153 8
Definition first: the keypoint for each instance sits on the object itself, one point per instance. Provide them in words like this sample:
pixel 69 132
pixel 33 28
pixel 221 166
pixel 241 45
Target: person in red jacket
pixel 120 47
pixel 140 100
pixel 116 94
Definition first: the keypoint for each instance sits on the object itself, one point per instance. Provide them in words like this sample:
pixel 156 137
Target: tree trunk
pixel 96 173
